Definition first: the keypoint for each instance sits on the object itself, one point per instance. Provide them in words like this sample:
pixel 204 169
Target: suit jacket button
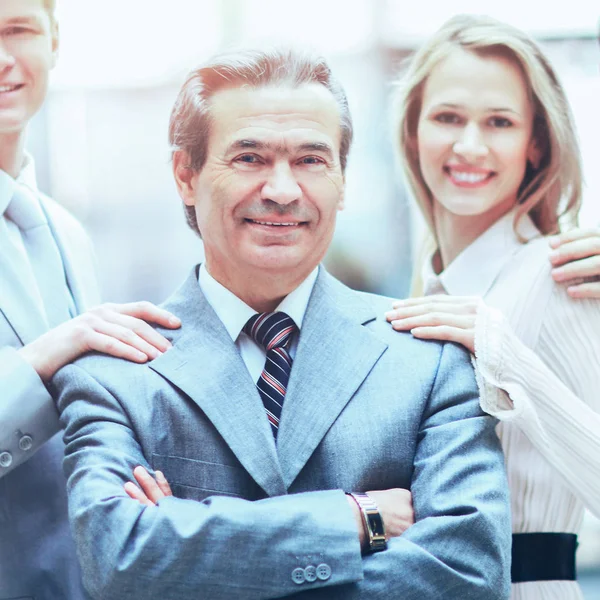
pixel 310 573
pixel 323 572
pixel 6 461
pixel 298 576
pixel 26 443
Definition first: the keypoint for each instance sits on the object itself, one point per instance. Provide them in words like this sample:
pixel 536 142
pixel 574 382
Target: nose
pixel 281 186
pixel 471 144
pixel 7 59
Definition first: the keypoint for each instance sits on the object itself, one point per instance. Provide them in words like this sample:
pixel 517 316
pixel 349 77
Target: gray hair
pixel 189 125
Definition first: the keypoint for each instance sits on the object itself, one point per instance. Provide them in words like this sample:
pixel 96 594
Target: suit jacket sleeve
pixel 228 547
pixel 26 410
pixel 221 548
pixel 459 546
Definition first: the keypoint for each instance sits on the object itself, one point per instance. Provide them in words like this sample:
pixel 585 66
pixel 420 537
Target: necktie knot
pixel 270 330
pixel 24 209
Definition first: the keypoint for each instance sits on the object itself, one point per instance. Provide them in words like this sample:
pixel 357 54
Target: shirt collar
pixel 7 183
pixel 27 176
pixel 234 313
pixel 474 270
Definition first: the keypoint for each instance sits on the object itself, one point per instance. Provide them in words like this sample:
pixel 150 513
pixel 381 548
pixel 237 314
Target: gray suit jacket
pixel 366 408
pixel 37 554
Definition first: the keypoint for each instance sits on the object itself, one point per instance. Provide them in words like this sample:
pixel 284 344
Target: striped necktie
pixel 273 331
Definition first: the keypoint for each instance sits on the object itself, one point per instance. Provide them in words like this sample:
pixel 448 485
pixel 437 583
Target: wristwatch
pixel 372 521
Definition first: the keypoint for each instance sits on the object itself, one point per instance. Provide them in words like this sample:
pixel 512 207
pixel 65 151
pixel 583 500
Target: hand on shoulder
pixel 445 318
pixel 120 330
pixel 575 259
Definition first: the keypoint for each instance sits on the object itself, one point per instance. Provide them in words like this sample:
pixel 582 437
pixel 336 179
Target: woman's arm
pixel 550 392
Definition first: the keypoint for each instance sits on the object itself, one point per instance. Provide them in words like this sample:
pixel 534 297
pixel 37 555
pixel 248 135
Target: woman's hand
pixel 576 261
pixel 150 490
pixel 446 318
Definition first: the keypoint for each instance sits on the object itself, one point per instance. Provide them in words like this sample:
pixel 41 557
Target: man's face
pixel 267 197
pixel 28 45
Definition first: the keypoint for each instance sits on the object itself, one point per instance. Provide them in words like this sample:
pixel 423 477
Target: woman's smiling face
pixel 474 133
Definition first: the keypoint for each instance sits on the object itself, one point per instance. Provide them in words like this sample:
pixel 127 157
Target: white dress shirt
pixel 234 314
pixel 537 359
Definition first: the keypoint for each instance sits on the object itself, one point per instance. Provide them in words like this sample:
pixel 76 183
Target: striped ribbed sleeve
pixel 551 391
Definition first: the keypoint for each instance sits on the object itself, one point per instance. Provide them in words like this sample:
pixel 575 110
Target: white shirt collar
pixel 7 183
pixel 234 313
pixel 474 270
pixel 27 176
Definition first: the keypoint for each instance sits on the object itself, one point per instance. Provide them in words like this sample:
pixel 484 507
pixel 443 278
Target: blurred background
pixel 100 143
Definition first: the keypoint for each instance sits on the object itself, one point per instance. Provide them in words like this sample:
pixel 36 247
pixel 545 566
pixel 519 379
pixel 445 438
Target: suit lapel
pixel 16 297
pixel 206 365
pixel 77 257
pixel 335 354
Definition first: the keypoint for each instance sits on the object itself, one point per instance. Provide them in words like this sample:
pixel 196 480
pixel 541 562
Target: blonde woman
pixel 489 149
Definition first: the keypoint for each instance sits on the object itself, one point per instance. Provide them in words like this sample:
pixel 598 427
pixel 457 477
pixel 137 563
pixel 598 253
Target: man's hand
pixel 120 330
pixel 396 510
pixel 576 261
pixel 151 490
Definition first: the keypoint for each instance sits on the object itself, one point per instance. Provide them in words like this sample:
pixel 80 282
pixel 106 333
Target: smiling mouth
pixel 10 88
pixel 468 178
pixel 275 224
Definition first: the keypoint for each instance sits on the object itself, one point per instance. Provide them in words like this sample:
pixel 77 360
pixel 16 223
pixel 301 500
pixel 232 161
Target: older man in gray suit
pixel 343 403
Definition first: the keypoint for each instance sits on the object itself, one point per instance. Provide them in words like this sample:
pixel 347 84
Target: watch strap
pixel 372 521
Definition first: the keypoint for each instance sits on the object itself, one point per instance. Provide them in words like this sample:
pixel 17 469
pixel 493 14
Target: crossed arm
pixel 229 547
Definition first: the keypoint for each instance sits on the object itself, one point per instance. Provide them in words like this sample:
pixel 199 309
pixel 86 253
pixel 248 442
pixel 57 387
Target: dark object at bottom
pixel 543 557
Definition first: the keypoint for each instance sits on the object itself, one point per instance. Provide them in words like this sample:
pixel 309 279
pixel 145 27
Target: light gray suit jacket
pixel 37 555
pixel 366 408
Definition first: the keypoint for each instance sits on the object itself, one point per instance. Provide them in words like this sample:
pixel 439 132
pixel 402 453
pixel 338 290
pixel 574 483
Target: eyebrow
pixel 23 20
pixel 249 144
pixel 491 109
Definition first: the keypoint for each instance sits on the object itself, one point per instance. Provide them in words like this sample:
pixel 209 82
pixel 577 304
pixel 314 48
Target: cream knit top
pixel 537 361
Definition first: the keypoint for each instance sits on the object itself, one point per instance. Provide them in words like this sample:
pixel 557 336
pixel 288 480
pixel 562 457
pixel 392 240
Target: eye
pixel 248 159
pixel 448 118
pixel 311 160
pixel 16 30
pixel 501 122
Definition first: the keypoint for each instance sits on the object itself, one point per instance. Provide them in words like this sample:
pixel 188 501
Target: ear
pixel 342 199
pixel 55 41
pixel 534 154
pixel 184 177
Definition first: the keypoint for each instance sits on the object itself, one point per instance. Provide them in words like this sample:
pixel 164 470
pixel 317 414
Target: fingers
pixel 439 298
pixel 142 336
pixel 446 333
pixel 586 267
pixel 146 311
pixel 575 250
pixel 150 491
pixel 459 307
pixel 113 346
pixel 134 492
pixel 575 234
pixel 163 484
pixel 148 484
pixel 434 319
pixel 585 290
pixel 123 342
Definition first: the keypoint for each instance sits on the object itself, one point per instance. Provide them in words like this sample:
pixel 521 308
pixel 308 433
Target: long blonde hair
pixel 549 193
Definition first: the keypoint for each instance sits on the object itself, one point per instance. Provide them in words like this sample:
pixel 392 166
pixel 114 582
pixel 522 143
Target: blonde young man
pixel 46 280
